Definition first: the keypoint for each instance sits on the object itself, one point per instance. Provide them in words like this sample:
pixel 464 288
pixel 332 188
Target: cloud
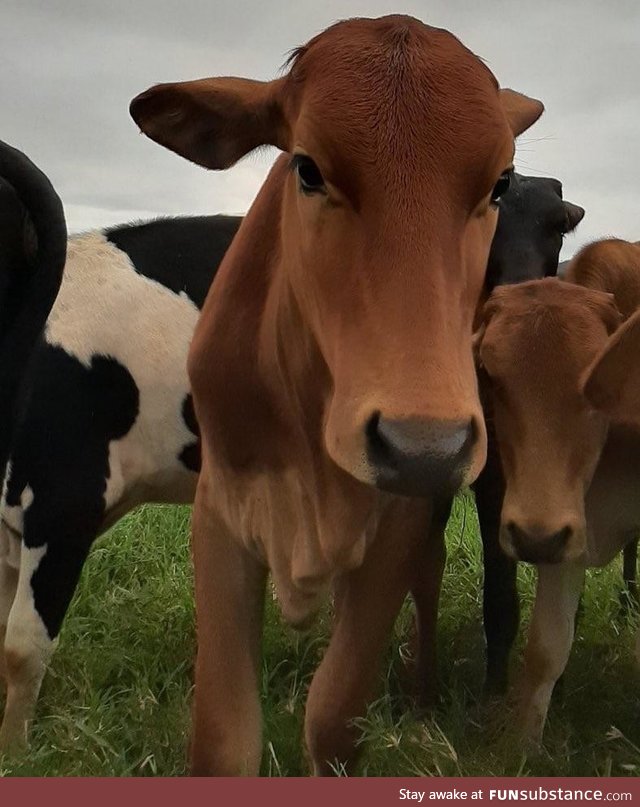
pixel 70 70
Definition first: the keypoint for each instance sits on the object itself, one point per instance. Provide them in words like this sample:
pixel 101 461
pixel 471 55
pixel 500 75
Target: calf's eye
pixel 501 186
pixel 309 176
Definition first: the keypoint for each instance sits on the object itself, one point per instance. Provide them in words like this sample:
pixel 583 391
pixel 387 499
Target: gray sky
pixel 68 69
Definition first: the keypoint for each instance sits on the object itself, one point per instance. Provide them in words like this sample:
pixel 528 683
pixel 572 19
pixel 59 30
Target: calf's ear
pixel 612 383
pixel 213 121
pixel 575 214
pixel 521 111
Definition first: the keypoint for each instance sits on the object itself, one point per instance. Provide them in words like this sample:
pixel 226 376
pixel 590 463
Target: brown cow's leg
pixel 425 591
pixel 549 642
pixel 367 603
pixel 227 720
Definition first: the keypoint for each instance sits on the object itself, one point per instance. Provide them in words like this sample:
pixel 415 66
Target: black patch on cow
pixel 181 253
pixel 62 453
pixel 190 454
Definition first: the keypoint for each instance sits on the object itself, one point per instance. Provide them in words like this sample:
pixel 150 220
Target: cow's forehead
pixel 344 43
pixel 547 324
pixel 395 97
pixel 388 71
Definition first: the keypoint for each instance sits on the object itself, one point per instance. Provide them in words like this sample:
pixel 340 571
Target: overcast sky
pixel 68 69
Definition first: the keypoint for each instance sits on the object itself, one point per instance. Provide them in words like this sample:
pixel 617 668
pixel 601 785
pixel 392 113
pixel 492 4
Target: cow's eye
pixel 309 175
pixel 502 185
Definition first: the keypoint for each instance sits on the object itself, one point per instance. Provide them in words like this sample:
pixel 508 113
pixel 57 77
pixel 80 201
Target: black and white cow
pixel 110 423
pixel 33 241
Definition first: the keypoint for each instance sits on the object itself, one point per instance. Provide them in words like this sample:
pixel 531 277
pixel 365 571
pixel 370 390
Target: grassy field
pixel 116 700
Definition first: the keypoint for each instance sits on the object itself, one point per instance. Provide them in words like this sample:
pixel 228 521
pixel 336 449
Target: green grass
pixel 116 700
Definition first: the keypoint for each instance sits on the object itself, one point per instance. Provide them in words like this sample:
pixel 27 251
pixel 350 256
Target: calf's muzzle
pixel 417 457
pixel 536 543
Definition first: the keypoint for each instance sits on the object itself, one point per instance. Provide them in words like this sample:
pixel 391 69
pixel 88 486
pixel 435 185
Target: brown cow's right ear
pixel 214 121
pixel 521 111
pixel 612 383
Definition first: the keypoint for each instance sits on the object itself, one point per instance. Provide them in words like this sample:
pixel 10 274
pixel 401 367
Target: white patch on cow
pixel 13 544
pixel 26 498
pixel 106 308
pixel 28 646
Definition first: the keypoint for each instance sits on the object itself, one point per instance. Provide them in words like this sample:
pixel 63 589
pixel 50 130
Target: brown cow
pixel 613 265
pixel 571 478
pixel 332 369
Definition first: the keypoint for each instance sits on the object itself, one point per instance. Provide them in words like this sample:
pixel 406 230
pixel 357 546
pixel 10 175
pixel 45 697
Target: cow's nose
pixel 416 457
pixel 538 544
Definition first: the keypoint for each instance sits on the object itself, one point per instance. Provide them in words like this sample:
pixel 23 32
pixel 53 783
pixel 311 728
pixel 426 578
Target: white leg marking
pixel 9 565
pixel 28 649
pixel 549 642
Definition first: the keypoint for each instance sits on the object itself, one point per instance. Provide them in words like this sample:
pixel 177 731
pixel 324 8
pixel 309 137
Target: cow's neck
pixel 261 388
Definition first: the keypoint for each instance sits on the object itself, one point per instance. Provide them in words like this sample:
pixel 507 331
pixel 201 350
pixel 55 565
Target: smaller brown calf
pixel 571 476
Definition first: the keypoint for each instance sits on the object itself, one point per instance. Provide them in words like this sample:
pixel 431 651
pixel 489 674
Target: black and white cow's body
pixel 33 241
pixel 109 423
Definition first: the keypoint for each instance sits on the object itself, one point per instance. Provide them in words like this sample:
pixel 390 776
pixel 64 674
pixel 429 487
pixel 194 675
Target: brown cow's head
pixel 399 145
pixel 538 340
pixel 613 382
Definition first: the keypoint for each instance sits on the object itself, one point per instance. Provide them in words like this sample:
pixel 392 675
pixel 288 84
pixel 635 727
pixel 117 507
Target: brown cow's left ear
pixel 575 214
pixel 521 111
pixel 214 121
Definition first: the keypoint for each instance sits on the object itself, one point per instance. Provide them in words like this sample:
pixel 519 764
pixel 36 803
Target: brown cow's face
pixel 400 143
pixel 539 339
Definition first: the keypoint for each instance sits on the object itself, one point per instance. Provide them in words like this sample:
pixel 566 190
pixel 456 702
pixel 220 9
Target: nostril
pixel 562 537
pixel 380 447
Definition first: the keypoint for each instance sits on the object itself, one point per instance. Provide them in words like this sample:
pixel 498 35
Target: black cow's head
pixel 532 223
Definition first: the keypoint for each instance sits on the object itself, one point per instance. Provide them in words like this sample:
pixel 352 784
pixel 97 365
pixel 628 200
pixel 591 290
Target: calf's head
pixel 399 144
pixel 537 341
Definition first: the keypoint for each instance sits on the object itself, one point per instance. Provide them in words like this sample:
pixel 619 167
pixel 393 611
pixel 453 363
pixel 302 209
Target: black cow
pixel 33 242
pixel 532 223
pixel 110 424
